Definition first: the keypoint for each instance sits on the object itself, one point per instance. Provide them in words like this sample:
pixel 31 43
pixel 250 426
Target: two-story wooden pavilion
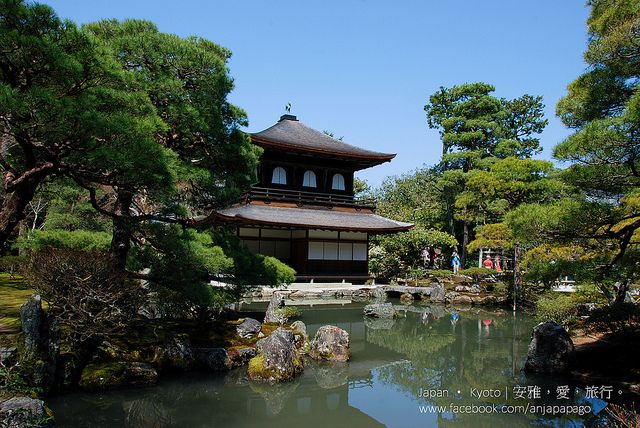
pixel 303 210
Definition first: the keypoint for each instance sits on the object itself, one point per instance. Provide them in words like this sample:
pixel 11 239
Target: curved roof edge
pixel 289 133
pixel 305 218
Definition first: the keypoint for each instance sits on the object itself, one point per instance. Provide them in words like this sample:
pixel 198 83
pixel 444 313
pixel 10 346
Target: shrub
pixel 622 416
pixel 85 291
pixel 563 307
pixel 441 273
pixel 500 288
pixel 12 264
pixel 476 273
pixel 616 318
pixel 291 312
pixel 79 240
pixel 13 381
pixel 276 272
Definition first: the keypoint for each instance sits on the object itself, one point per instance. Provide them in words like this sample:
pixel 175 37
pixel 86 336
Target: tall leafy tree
pixel 603 108
pixel 66 108
pixel 482 137
pixel 187 81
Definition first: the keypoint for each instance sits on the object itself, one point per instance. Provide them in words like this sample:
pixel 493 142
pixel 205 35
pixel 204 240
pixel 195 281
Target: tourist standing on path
pixel 455 262
pixel 425 258
pixel 488 263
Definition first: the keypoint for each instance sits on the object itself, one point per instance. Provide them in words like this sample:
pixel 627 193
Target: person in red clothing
pixel 497 265
pixel 488 263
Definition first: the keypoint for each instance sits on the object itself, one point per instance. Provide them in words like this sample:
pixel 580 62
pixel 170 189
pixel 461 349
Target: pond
pixel 435 367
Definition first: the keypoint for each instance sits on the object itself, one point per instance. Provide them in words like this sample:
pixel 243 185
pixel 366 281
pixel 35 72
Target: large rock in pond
pixel 300 327
pixel 437 294
pixel 104 376
pixel 380 310
pixel 213 359
pixel 248 328
pixel 32 318
pixel 274 312
pixel 550 349
pixel 331 343
pixel 177 352
pixel 300 335
pixel 379 295
pixel 407 298
pixel 277 360
pixel 19 412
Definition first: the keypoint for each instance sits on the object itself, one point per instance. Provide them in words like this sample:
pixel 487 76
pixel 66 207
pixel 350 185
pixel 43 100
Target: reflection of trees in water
pixel 459 356
pixel 146 413
pixel 462 355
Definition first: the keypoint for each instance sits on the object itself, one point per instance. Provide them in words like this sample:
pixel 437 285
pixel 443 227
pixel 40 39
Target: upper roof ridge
pixel 290 133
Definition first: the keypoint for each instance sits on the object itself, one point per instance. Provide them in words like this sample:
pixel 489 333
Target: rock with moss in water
pixel 278 359
pixel 299 327
pixel 248 328
pixel 18 412
pixel 407 298
pixel 111 375
pixel 240 355
pixel 300 335
pixel 380 310
pixel 274 313
pixel 331 343
pixel 177 352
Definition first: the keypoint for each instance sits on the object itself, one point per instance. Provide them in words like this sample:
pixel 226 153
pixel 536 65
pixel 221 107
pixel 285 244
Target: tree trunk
pixel 13 207
pixel 450 223
pixel 465 241
pixel 121 240
pixel 517 274
pixel 620 290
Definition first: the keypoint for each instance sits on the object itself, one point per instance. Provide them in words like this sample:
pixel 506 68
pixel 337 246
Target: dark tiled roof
pixel 309 218
pixel 290 133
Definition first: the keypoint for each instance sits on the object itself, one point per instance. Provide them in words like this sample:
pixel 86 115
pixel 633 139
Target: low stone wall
pixel 434 293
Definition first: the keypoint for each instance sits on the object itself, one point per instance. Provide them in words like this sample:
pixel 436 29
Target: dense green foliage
pixel 67 108
pixel 486 166
pixel 486 171
pixel 563 308
pixel 597 230
pixel 120 138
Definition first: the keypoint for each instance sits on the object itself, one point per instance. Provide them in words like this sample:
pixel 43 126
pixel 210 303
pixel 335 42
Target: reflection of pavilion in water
pixel 427 349
pixel 321 396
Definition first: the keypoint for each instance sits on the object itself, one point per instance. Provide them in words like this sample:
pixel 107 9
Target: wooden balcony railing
pixel 309 198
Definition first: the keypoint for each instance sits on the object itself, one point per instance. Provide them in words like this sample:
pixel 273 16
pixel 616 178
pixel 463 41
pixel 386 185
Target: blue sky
pixel 364 69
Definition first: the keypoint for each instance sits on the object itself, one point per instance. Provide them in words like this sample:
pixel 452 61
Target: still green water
pixel 403 373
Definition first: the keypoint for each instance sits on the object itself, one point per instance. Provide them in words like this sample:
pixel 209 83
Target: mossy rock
pixel 268 328
pixel 331 343
pixel 103 376
pixel 259 371
pixel 278 359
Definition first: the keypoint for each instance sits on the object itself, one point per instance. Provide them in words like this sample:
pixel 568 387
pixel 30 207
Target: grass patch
pixel 13 294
